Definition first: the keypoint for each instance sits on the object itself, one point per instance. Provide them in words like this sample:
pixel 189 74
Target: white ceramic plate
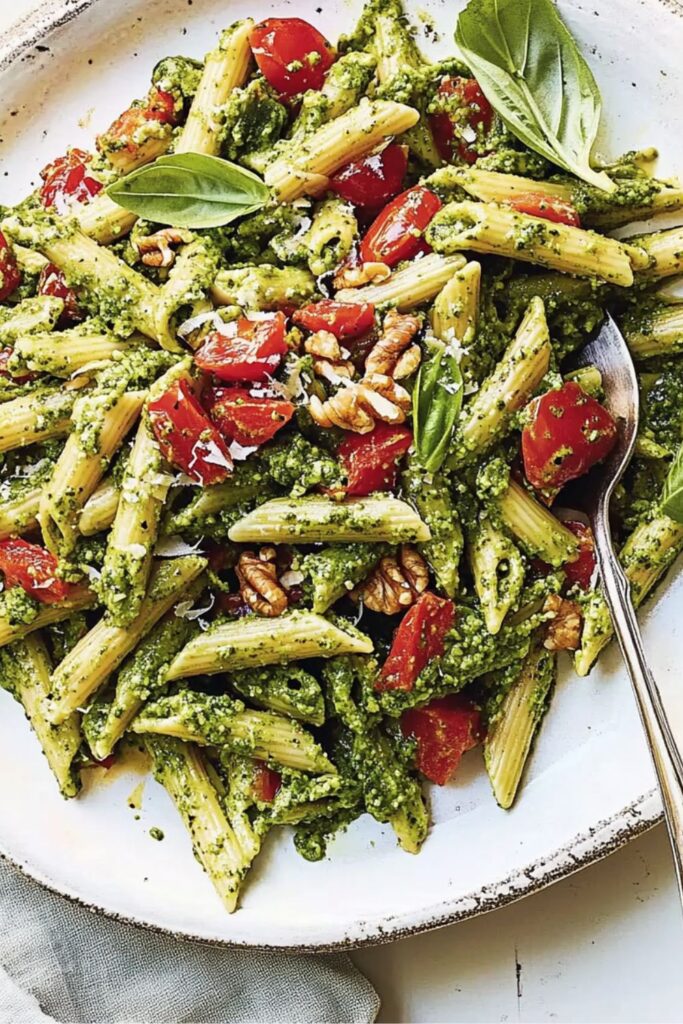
pixel 66 74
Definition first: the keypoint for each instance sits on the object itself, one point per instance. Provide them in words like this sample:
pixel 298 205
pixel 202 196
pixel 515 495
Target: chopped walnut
pixel 156 250
pixel 564 628
pixel 395 583
pixel 329 358
pixel 259 586
pixel 365 273
pixel 393 354
pixel 358 405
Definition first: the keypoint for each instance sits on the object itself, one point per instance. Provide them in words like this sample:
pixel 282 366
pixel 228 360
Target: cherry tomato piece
pixel 34 568
pixel 396 234
pixel 66 181
pixel 247 419
pixel 187 437
pixel 127 143
pixel 371 460
pixel 10 275
pixel 291 55
pixel 419 637
pixel 343 319
pixel 160 107
pixel 458 131
pixel 443 729
pixel 567 432
pixel 375 179
pixel 52 282
pixel 582 571
pixel 244 350
pixel 559 211
pixel 265 783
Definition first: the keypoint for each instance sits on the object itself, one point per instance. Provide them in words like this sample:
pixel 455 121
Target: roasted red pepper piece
pixel 419 638
pixel 371 460
pixel 443 730
pixel 187 437
pixel 245 418
pixel 244 350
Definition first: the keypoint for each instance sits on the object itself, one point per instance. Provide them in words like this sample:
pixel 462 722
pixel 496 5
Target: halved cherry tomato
pixel 419 637
pixel 10 275
pixel 187 437
pixel 126 143
pixel 52 282
pixel 453 130
pixel 371 460
pixel 375 179
pixel 444 729
pixel 559 211
pixel 567 433
pixel 244 349
pixel 247 419
pixel 34 568
pixel 343 319
pixel 265 783
pixel 291 54
pixel 396 234
pixel 582 571
pixel 160 106
pixel 66 181
pixel 23 377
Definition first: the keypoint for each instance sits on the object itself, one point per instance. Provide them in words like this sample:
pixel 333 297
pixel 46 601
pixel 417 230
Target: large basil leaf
pixel 190 190
pixel 531 71
pixel 437 400
pixel 672 495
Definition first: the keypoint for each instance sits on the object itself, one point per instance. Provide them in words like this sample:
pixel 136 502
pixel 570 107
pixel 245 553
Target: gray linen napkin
pixel 59 962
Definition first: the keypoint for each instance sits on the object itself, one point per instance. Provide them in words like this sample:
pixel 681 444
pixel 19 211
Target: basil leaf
pixel 190 190
pixel 672 495
pixel 533 74
pixel 437 400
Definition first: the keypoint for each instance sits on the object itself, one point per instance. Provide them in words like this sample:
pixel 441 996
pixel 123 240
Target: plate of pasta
pixel 289 427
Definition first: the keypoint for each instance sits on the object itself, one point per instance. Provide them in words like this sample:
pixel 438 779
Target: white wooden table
pixel 605 945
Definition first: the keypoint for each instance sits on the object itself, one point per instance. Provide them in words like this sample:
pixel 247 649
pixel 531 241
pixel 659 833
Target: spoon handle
pixel 663 747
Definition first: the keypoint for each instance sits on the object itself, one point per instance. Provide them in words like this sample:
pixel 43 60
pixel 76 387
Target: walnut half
pixel 259 586
pixel 395 583
pixel 564 629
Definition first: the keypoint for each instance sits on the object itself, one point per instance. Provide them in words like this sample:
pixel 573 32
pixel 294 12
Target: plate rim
pixel 586 848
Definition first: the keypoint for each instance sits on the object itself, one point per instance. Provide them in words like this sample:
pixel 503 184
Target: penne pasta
pixel 417 283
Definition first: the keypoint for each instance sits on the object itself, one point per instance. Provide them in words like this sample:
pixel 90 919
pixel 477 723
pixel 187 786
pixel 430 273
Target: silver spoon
pixel 609 352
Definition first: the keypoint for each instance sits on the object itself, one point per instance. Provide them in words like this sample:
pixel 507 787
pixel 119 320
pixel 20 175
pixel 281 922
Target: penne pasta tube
pixel 100 509
pixel 103 220
pixel 661 251
pixel 181 769
pixel 311 519
pixel 90 663
pixel 455 312
pixel 498 571
pixel 509 737
pixel 38 416
pixel 263 287
pixel 29 316
pixel 63 353
pixel 345 138
pixel 47 615
pixel 501 231
pixel 253 641
pixel 79 470
pixel 658 333
pixel 416 283
pixel 225 68
pixel 523 366
pixel 219 721
pixel 535 527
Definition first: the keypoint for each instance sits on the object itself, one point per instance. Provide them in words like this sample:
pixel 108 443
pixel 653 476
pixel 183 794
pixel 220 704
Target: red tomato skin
pixel 448 143
pixel 10 275
pixel 559 211
pixel 419 638
pixel 266 783
pixel 252 353
pixel 66 181
pixel 396 234
pixel 160 107
pixel 18 378
pixel 247 419
pixel 443 729
pixel 52 282
pixel 187 437
pixel 279 42
pixel 375 179
pixel 582 571
pixel 568 432
pixel 343 319
pixel 371 460
pixel 34 568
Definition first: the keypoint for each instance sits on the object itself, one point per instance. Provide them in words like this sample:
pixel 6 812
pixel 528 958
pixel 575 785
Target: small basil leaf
pixel 672 495
pixel 533 74
pixel 190 190
pixel 437 400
